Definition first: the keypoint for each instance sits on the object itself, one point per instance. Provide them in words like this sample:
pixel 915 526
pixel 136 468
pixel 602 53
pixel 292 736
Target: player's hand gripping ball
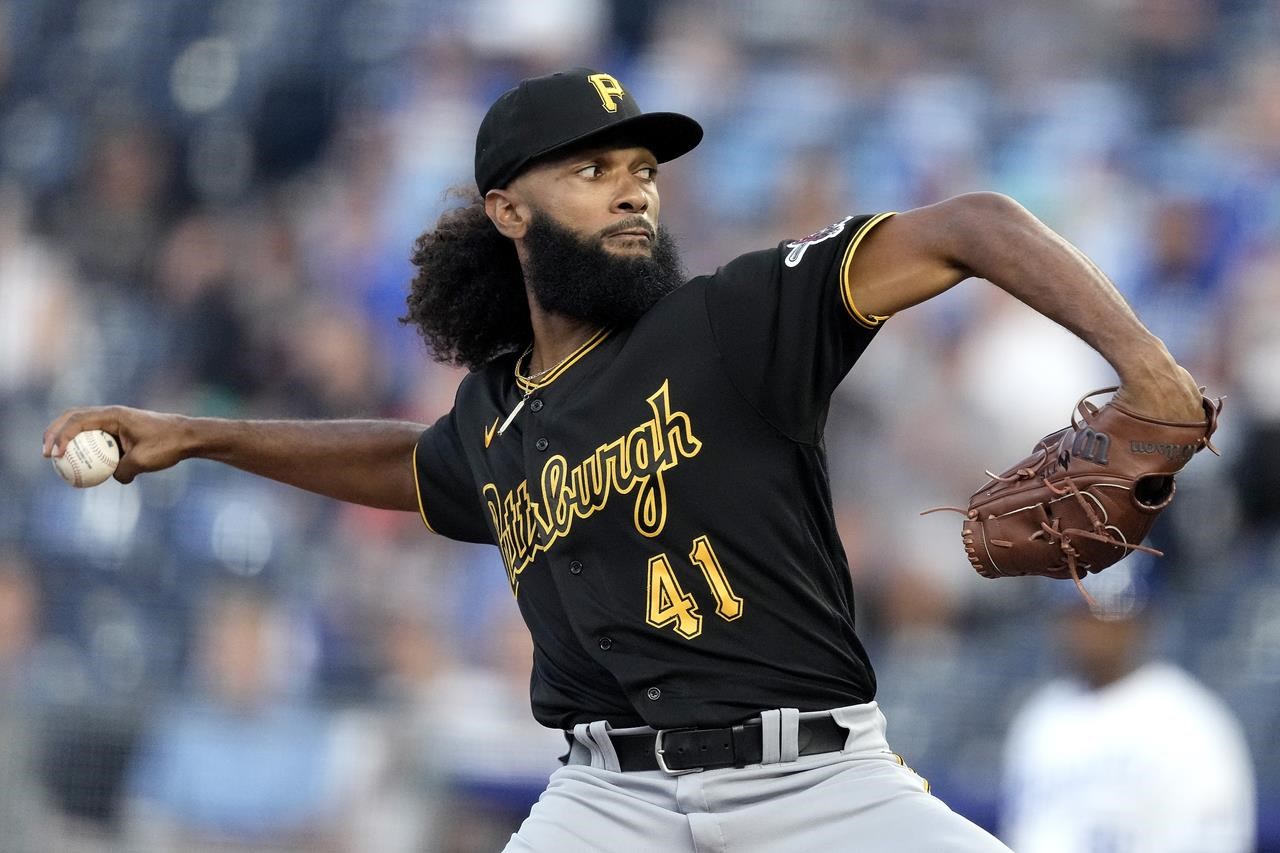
pixel 89 459
pixel 1087 495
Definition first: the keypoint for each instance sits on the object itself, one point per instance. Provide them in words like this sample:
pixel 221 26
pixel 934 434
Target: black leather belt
pixel 689 750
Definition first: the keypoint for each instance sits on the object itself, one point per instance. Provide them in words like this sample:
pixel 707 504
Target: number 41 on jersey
pixel 669 604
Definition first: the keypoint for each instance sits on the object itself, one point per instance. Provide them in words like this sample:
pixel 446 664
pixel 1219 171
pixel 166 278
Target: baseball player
pixel 647 455
pixel 1154 760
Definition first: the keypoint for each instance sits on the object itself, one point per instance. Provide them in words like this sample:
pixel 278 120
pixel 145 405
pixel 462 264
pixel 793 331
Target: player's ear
pixel 507 213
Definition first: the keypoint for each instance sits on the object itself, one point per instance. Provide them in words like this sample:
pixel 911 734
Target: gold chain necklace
pixel 532 379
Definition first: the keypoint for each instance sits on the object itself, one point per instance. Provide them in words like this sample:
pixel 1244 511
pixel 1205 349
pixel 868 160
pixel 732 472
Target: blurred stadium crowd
pixel 206 206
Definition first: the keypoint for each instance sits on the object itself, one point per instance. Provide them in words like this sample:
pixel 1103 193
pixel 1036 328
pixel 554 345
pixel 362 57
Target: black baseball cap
pixel 547 114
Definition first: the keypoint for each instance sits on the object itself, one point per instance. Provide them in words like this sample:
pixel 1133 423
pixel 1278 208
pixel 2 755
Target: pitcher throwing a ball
pixel 647 454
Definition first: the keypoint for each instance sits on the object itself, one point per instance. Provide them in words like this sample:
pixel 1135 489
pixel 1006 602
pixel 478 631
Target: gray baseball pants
pixel 862 798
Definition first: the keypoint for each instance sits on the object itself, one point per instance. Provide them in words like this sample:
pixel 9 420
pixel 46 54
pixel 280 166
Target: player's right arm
pixel 366 462
pixel 918 254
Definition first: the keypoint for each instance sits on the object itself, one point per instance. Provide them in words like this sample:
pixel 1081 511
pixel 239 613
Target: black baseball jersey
pixel 661 500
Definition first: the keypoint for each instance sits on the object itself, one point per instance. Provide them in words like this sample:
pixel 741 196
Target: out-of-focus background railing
pixel 206 206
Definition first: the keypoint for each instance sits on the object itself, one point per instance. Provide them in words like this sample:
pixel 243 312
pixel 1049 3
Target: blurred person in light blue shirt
pixel 239 762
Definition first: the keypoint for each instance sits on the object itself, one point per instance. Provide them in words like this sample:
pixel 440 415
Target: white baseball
pixel 90 458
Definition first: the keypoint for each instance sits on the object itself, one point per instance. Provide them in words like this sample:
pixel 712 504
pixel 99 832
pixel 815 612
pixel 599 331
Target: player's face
pixel 607 196
pixel 1100 650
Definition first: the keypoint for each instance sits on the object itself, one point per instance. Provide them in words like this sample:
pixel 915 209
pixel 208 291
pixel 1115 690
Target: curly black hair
pixel 468 298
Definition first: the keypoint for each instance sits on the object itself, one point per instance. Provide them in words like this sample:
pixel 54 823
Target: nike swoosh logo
pixel 489 431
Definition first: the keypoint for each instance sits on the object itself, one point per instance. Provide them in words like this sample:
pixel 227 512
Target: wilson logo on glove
pixel 1169 451
pixel 1091 445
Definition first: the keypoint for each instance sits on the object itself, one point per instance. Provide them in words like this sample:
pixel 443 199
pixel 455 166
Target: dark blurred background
pixel 206 206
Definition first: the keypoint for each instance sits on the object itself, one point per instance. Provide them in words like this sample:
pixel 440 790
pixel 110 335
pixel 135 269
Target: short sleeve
pixel 448 498
pixel 786 325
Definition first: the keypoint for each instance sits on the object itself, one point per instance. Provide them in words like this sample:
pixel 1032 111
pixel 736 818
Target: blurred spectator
pixel 406 803
pixel 1253 351
pixel 1126 754
pixel 497 756
pixel 208 346
pixel 1188 244
pixel 19 608
pixel 112 223
pixel 24 808
pixel 1049 366
pixel 240 764
pixel 331 367
pixel 1173 56
pixel 38 305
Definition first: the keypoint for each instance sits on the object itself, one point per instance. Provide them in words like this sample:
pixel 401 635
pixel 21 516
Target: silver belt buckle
pixel 658 753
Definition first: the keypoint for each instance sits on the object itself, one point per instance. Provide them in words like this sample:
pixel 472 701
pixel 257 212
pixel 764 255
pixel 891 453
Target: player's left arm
pixel 917 255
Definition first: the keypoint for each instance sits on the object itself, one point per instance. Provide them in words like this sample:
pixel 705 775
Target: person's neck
pixel 555 337
pixel 1104 676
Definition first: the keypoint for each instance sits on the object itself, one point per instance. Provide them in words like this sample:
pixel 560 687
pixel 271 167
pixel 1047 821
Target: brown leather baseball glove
pixel 1086 496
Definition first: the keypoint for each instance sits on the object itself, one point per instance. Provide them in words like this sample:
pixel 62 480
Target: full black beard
pixel 579 278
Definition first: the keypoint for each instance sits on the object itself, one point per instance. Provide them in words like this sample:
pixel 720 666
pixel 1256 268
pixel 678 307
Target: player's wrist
pixel 1140 358
pixel 1147 370
pixel 1163 389
pixel 199 438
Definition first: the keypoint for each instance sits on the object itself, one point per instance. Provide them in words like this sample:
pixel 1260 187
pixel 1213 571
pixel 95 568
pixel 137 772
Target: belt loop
pixel 599 734
pixel 789 748
pixel 865 725
pixel 770 737
pixel 582 738
pixel 579 753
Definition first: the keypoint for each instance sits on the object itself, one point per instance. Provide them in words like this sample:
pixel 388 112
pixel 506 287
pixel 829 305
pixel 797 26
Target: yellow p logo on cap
pixel 609 90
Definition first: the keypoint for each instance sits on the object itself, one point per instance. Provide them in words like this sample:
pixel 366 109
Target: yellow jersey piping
pixel 587 346
pixel 417 488
pixel 846 286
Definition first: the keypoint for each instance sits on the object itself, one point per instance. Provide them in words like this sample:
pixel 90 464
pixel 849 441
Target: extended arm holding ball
pixel 359 461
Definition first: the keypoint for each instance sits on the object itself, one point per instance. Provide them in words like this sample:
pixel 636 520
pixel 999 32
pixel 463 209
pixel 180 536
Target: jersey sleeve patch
pixel 846 285
pixel 799 247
